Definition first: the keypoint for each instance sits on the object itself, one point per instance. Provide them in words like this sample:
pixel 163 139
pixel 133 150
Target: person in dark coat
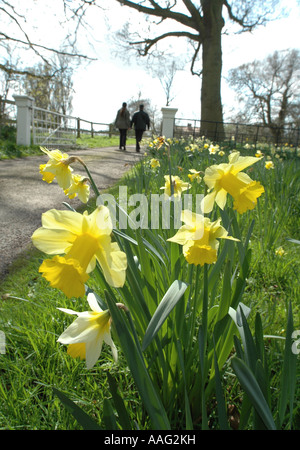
pixel 123 123
pixel 141 122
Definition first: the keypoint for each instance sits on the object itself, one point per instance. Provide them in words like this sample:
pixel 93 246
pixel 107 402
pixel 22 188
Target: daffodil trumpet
pixel 229 179
pixel 199 238
pixel 78 241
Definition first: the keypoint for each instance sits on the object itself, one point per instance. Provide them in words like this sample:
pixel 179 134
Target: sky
pixel 101 86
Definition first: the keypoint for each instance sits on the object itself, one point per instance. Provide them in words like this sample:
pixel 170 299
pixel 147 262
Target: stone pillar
pixel 24 115
pixel 168 121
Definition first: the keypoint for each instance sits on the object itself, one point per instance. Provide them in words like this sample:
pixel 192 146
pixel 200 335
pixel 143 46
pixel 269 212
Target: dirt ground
pixel 24 196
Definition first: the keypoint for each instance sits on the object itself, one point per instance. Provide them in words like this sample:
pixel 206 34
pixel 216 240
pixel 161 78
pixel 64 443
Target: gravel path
pixel 24 196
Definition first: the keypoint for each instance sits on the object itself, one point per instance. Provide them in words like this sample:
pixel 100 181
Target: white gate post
pixel 24 105
pixel 168 121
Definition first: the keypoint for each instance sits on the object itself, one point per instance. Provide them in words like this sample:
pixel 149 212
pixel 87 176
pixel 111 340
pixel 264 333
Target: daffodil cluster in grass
pixel 77 242
pixel 198 235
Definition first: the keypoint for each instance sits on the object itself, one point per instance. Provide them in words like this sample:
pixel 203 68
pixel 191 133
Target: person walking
pixel 122 122
pixel 141 122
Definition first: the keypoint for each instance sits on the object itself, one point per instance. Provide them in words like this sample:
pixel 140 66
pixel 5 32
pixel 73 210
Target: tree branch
pixel 150 42
pixel 158 11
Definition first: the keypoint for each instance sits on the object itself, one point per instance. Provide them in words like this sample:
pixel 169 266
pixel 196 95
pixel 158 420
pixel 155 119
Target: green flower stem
pixel 95 189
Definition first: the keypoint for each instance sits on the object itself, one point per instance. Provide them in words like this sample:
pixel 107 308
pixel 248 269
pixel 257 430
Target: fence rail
pixel 50 128
pixel 238 132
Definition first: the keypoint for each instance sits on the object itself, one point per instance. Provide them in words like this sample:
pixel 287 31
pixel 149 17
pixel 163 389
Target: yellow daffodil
pixel 154 163
pixel 259 154
pixel 160 141
pixel 279 251
pixel 221 153
pixel 47 176
pixel 194 175
pixel 86 334
pixel 57 167
pixel 213 149
pixel 178 186
pixel 199 238
pixel 269 165
pixel 82 239
pixel 223 179
pixel 80 187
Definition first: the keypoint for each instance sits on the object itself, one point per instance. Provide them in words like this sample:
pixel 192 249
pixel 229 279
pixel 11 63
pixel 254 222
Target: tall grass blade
pixel 82 418
pixel 251 387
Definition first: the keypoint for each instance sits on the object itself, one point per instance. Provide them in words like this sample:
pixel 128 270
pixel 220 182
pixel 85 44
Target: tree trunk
pixel 211 104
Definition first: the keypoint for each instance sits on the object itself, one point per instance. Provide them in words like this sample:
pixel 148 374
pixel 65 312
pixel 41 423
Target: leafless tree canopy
pixel 19 38
pixel 269 90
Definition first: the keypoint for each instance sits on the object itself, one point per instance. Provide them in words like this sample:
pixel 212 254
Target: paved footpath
pixel 24 196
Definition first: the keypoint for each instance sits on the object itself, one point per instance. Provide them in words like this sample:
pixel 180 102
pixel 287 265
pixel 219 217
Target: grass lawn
pixel 262 272
pixel 9 149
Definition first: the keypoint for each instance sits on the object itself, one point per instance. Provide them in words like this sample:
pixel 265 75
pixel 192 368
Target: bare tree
pixel 165 71
pixel 269 90
pixel 51 84
pixel 15 33
pixel 201 23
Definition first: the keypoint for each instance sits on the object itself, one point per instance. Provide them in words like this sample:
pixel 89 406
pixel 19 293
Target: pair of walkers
pixel 140 120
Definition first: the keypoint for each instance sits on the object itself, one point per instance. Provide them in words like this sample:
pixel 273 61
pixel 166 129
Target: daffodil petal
pixel 62 220
pixel 207 203
pixel 221 197
pixel 92 301
pixel 52 242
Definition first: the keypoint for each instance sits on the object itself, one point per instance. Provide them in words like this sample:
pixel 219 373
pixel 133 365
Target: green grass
pixel 34 362
pixel 10 150
pixel 86 141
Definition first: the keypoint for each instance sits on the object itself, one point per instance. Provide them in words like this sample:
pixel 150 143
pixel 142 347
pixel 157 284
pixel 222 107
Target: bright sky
pixel 102 86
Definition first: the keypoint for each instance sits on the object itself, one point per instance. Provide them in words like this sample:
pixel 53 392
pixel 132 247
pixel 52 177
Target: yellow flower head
pixel 47 176
pixel 213 149
pixel 80 187
pixel 223 179
pixel 57 166
pixel 259 154
pixel 178 186
pixel 194 175
pixel 279 251
pixel 199 238
pixel 160 141
pixel 86 334
pixel 269 165
pixel 81 239
pixel 154 163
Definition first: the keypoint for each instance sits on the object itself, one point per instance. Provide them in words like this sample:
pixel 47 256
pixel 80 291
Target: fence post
pixel 168 121
pixel 24 105
pixel 78 128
